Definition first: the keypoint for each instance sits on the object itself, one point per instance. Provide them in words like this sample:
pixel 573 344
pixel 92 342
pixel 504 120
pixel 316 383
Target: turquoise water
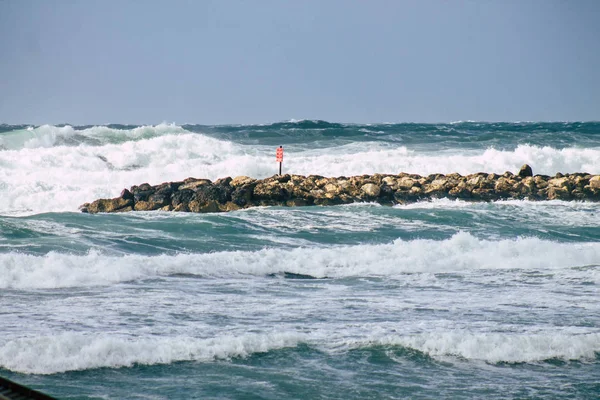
pixel 442 299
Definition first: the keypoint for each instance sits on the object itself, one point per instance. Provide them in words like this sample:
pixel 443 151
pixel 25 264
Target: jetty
pixel 228 194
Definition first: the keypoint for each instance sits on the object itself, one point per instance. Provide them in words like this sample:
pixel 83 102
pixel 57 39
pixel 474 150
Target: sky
pixel 244 62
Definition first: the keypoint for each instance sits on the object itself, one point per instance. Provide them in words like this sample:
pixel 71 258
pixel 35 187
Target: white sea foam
pixel 500 347
pixel 77 351
pixel 49 135
pixel 61 178
pixel 552 212
pixel 366 158
pixel 38 174
pixel 461 253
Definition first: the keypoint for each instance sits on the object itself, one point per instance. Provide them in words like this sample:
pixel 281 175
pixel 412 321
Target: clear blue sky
pixel 215 62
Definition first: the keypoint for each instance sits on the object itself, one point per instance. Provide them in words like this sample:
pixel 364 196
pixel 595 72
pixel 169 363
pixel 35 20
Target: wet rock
pixel 406 183
pixel 504 185
pixel 484 194
pixel 560 182
pixel 124 209
pixel 228 194
pixel 182 196
pixel 386 192
pixel 209 192
pixel 460 192
pixel 182 207
pixel 558 193
pixel 371 190
pixel 270 191
pixel 126 194
pixel 524 188
pixel 196 184
pixel 525 171
pixel 153 202
pixel 146 206
pixel 242 196
pixel 241 180
pixel 540 181
pixel 297 203
pixel 107 205
pixel 229 206
pixel 282 178
pixel 223 181
pixel 197 206
pixel 142 195
pixel 391 182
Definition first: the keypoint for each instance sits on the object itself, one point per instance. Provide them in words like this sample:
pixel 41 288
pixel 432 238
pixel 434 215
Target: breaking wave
pixel 56 169
pixel 461 253
pixel 75 351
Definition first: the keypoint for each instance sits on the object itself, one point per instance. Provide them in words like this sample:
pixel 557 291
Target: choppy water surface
pixel 442 299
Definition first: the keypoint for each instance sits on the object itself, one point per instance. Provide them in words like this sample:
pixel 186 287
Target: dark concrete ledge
pixel 227 194
pixel 10 390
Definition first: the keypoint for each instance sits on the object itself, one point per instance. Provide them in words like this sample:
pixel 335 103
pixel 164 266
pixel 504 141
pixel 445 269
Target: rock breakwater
pixel 227 194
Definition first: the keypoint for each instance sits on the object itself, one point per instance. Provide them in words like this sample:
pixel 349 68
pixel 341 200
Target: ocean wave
pixel 497 347
pixel 358 159
pixel 76 351
pixel 56 179
pixel 46 136
pixel 563 134
pixel 73 351
pixel 461 253
pixel 501 347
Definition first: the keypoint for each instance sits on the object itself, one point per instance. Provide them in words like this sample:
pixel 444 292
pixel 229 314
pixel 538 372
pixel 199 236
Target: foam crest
pixel 60 178
pixel 501 347
pixel 368 158
pixel 461 253
pixel 46 136
pixel 77 351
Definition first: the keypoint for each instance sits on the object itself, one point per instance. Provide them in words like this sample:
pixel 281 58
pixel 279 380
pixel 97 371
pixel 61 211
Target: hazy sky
pixel 214 62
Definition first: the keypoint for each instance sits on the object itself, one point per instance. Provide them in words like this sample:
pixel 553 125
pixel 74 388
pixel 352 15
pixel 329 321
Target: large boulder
pixel 197 206
pixel 195 185
pixel 558 193
pixel 241 180
pixel 242 195
pixel 270 191
pixel 560 182
pixel 210 192
pixel 525 171
pixel 183 196
pixel 370 190
pixel 153 202
pixel 108 205
pixel 406 183
pixel 504 185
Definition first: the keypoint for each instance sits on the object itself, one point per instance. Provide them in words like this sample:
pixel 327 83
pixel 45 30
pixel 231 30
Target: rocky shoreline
pixel 227 194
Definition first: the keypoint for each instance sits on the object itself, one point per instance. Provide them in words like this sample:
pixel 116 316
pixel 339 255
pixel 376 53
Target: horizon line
pixel 292 120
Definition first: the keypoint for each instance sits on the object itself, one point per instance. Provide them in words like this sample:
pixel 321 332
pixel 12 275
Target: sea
pixel 438 299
